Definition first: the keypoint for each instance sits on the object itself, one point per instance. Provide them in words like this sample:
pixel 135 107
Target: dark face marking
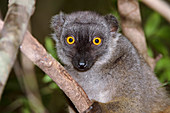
pixel 83 62
pixel 83 58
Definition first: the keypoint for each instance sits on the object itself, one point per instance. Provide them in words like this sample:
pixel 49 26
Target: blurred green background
pixel 157 31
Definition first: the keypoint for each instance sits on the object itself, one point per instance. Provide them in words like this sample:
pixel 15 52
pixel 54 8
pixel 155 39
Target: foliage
pixel 158 38
pixel 49 45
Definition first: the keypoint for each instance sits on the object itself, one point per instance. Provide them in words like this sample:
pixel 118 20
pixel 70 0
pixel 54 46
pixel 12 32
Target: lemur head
pixel 82 37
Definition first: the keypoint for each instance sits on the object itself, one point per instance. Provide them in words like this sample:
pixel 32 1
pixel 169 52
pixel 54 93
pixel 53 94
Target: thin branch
pixel 159 6
pixel 28 84
pixel 12 34
pixel 131 26
pixel 38 55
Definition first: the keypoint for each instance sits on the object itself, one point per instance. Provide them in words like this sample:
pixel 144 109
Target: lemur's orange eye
pixel 70 40
pixel 97 41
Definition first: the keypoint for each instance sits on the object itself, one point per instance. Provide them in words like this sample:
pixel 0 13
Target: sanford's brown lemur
pixel 106 64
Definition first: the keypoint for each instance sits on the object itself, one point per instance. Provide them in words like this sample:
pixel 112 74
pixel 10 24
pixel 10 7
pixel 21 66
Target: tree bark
pixel 160 6
pixel 38 55
pixel 15 26
pixel 131 26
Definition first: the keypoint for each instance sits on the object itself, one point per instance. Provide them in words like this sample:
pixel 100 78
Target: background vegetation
pixel 157 31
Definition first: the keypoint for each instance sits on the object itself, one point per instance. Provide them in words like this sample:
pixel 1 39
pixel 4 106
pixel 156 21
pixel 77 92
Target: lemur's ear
pixel 112 22
pixel 57 21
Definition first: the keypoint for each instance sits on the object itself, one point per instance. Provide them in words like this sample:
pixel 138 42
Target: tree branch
pixel 38 55
pixel 131 26
pixel 160 6
pixel 28 83
pixel 11 36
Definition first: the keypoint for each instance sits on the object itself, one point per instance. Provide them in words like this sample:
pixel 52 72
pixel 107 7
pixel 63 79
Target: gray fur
pixel 119 72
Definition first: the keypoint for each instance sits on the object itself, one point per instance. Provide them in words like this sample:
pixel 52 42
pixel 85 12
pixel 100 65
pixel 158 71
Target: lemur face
pixel 83 38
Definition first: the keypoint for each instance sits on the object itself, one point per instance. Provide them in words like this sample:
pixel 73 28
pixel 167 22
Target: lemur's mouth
pixel 82 70
pixel 82 65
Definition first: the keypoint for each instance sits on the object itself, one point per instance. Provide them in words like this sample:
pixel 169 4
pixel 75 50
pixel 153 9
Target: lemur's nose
pixel 82 64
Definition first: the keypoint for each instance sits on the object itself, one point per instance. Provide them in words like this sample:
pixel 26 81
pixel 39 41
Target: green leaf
pixel 49 45
pixel 152 24
pixel 163 32
pixel 150 52
pixel 163 69
pixel 25 110
pixel 53 86
pixel 159 46
pixel 46 79
pixel 166 83
pixel 168 75
pixel 164 77
pixel 163 63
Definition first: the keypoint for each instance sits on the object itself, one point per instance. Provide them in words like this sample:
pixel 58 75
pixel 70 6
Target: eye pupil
pixel 70 40
pixel 97 40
